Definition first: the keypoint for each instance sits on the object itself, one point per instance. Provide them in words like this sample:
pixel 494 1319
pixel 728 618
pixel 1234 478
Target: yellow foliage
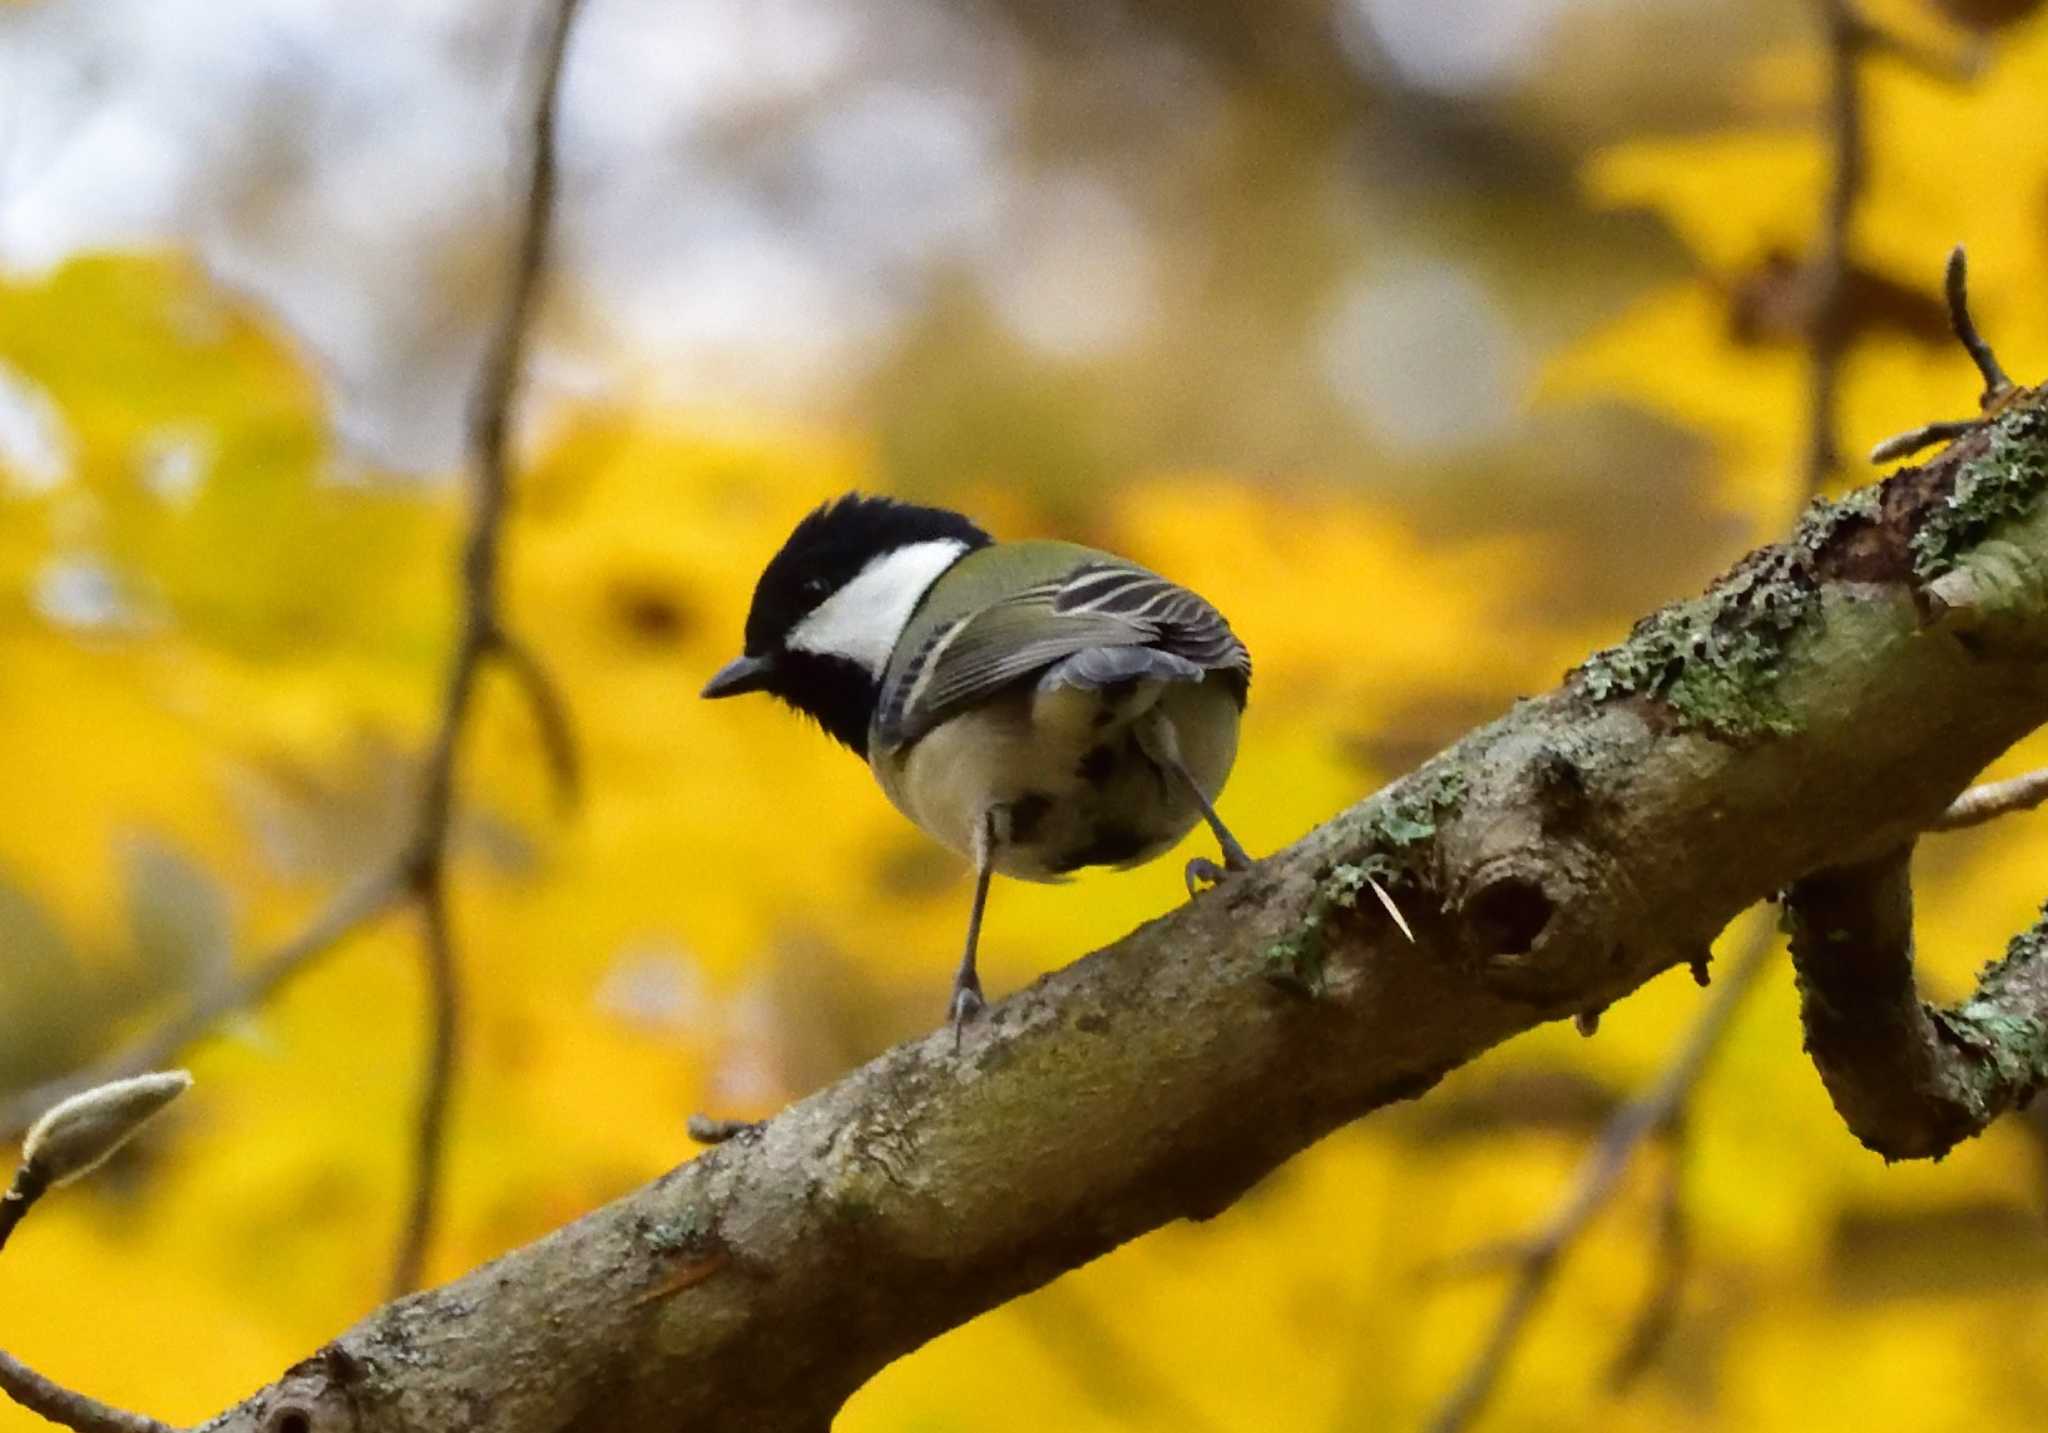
pixel 734 913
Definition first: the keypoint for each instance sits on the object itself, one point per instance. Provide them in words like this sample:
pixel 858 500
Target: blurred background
pixel 1435 340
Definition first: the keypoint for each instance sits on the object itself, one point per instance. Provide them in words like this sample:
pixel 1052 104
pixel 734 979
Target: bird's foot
pixel 1204 874
pixel 967 1005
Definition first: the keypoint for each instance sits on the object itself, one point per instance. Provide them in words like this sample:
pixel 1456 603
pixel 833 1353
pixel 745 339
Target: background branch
pixel 1600 1177
pixel 482 638
pixel 354 909
pixel 1832 327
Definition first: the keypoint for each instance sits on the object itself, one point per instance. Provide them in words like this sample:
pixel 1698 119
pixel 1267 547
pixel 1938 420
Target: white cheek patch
pixel 863 619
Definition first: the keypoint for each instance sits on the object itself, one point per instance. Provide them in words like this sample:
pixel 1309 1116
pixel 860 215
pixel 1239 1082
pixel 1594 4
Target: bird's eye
pixel 813 587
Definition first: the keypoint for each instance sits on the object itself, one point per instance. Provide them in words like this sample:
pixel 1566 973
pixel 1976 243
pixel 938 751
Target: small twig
pixel 1659 1312
pixel 1957 67
pixel 1994 799
pixel 68 1141
pixel 58 1404
pixel 550 716
pixel 355 907
pixel 430 1130
pixel 1996 384
pixel 1599 1178
pixel 483 637
pixel 709 1129
pixel 29 1185
pixel 1914 440
pixel 1829 331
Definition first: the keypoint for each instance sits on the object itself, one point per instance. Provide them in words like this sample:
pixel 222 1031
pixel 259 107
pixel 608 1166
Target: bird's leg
pixel 1159 741
pixel 967 1002
pixel 1201 870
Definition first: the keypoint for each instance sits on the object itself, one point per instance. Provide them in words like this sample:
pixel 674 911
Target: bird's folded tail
pixel 1098 667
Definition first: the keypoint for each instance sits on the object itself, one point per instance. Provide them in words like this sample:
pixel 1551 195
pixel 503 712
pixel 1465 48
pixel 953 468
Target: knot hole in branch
pixel 1508 915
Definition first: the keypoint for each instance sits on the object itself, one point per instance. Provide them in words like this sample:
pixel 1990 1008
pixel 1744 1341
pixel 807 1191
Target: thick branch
pixel 1825 701
pixel 1908 1078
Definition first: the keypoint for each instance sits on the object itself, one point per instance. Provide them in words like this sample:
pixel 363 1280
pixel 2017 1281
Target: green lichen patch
pixel 2025 958
pixel 1996 486
pixel 1296 960
pixel 1715 661
pixel 2000 1022
pixel 1389 835
pixel 1412 811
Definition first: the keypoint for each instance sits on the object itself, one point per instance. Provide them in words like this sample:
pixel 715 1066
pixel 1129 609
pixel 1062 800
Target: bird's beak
pixel 741 674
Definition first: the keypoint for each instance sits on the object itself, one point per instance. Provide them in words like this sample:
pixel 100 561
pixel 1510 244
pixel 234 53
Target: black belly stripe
pixel 1027 814
pixel 1097 766
pixel 1111 844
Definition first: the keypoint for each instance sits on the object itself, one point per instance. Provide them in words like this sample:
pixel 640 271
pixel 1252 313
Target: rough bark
pixel 1820 705
pixel 1910 1079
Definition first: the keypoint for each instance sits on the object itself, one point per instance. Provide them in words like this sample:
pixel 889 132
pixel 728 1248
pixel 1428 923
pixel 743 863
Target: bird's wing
pixel 1100 604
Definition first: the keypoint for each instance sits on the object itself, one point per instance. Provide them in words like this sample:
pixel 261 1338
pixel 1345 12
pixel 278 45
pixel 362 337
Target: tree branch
pixel 1825 701
pixel 1910 1079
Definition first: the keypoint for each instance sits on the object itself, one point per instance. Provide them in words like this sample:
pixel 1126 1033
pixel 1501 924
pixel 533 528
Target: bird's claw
pixel 1204 874
pixel 967 1005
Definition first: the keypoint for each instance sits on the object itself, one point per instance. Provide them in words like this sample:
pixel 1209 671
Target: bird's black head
pixel 830 605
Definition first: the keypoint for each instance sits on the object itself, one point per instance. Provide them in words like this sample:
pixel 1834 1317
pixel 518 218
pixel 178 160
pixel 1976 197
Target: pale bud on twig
pixel 78 1134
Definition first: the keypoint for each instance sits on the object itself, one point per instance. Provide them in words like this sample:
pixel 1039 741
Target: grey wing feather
pixel 1072 631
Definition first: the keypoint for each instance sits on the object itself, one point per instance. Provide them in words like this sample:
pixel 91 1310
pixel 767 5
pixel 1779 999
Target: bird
pixel 1037 706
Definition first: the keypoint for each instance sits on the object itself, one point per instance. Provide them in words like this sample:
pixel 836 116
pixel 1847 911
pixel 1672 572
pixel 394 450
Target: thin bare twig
pixel 1997 387
pixel 1536 1259
pixel 1914 440
pixel 482 638
pixel 430 1128
pixel 711 1129
pixel 1958 66
pixel 1994 799
pixel 60 1405
pixel 550 716
pixel 58 1155
pixel 1831 328
pixel 347 913
pixel 1658 1314
pixel 28 1186
pixel 1957 287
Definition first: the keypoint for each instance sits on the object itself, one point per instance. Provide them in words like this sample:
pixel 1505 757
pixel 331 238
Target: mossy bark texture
pixel 1815 709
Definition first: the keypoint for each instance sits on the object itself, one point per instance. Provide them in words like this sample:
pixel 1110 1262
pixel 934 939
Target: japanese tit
pixel 1036 706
